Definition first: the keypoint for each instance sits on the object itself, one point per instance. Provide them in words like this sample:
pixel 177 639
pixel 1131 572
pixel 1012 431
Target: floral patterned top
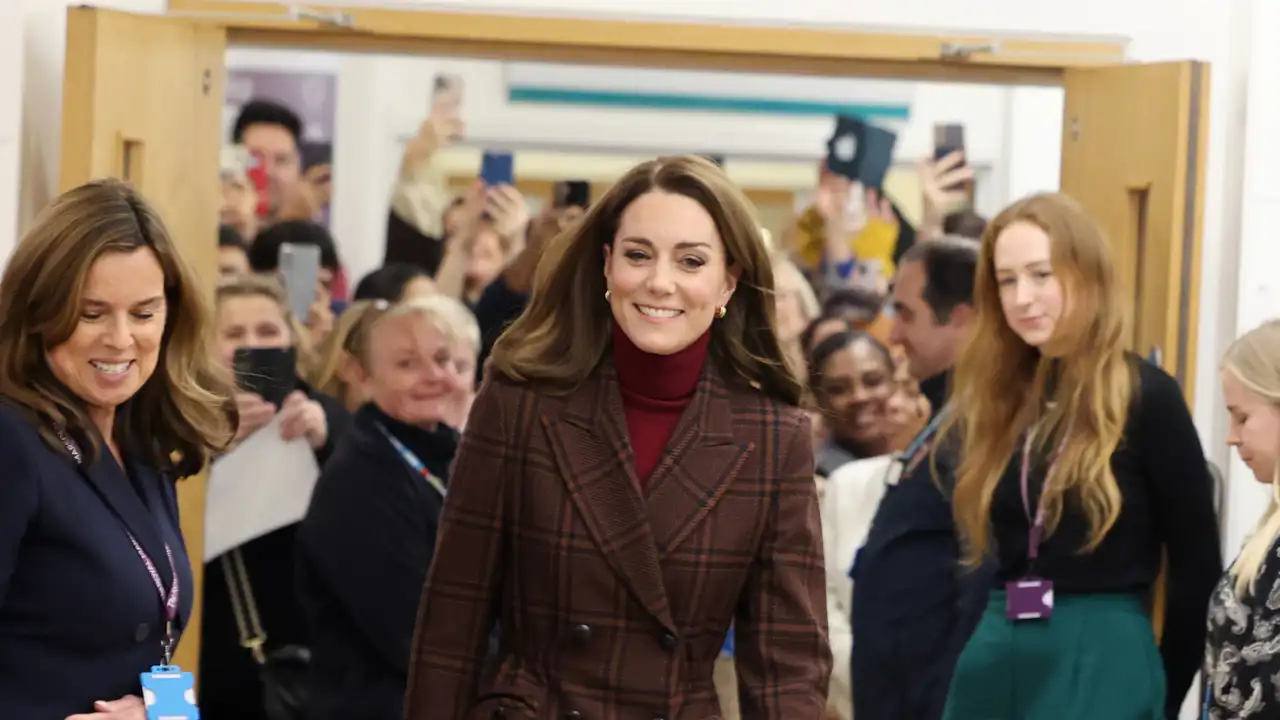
pixel 1242 655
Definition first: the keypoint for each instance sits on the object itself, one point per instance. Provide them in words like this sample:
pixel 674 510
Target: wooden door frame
pixel 954 57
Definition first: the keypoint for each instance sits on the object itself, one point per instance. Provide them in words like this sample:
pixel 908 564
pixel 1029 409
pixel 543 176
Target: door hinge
pixel 965 51
pixel 335 18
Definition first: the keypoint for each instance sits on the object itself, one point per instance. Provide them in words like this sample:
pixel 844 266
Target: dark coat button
pixel 573 715
pixel 668 641
pixel 581 634
pixel 142 633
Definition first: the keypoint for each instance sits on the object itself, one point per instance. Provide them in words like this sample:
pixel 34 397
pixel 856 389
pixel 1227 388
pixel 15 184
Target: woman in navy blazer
pixel 109 392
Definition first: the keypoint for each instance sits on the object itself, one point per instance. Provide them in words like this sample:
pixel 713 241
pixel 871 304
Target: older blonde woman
pixel 370 532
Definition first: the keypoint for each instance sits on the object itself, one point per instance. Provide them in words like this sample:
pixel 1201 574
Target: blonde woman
pixel 1080 466
pixel 796 305
pixel 335 370
pixel 1242 660
pixel 370 532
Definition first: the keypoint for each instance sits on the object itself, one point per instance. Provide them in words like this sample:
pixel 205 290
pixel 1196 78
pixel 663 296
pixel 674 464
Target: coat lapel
pixel 597 466
pixel 112 484
pixel 701 459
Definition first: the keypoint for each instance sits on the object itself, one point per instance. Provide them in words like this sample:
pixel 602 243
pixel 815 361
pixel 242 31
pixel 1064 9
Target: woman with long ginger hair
pixel 1080 464
pixel 635 476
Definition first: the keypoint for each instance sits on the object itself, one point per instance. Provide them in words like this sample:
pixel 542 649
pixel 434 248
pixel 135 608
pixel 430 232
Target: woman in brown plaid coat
pixel 635 476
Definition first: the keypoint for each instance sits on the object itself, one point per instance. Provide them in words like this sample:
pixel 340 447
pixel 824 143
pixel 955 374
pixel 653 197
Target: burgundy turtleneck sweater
pixel 655 391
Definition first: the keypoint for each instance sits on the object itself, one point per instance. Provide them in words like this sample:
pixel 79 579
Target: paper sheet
pixel 262 485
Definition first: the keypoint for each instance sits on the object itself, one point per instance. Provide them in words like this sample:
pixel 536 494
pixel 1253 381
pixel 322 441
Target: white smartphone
pixel 300 271
pixel 446 95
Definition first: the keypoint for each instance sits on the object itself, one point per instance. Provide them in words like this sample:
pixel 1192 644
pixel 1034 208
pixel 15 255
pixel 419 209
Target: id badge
pixel 1028 599
pixel 169 694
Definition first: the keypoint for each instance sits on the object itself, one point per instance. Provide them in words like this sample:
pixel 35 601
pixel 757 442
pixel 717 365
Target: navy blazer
pixel 914 605
pixel 80 616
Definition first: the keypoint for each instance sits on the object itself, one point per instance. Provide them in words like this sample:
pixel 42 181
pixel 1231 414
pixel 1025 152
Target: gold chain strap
pixel 243 605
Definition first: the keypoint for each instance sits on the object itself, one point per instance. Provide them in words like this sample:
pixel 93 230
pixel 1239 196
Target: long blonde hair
pixel 1254 360
pixel 1003 387
pixel 343 345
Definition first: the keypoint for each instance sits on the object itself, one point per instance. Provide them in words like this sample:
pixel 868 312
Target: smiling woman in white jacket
pixel 853 494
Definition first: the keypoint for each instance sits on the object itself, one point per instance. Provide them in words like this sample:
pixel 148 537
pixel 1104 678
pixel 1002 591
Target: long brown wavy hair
pixel 564 332
pixel 1078 389
pixel 184 411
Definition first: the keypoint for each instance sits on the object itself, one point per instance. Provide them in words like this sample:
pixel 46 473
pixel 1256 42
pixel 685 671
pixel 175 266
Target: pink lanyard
pixel 170 599
pixel 1036 533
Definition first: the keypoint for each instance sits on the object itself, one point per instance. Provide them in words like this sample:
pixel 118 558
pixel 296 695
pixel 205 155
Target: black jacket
pixel 79 616
pixel 364 550
pixel 915 605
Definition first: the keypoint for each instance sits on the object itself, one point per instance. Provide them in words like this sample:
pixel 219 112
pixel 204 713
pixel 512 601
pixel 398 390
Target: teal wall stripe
pixel 672 101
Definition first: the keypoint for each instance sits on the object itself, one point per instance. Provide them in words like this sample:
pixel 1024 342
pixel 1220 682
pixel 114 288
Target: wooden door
pixel 1133 152
pixel 142 101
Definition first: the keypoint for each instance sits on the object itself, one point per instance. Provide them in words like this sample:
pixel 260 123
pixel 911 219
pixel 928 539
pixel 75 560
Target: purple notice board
pixel 312 95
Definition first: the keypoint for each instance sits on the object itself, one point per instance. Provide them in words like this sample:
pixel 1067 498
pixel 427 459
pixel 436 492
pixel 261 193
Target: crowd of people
pixel 624 457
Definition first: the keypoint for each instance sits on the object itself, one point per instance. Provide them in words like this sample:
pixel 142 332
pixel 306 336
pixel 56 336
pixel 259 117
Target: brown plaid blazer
pixel 614 603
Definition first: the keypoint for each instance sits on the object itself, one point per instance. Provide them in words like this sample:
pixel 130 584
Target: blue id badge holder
pixel 169 694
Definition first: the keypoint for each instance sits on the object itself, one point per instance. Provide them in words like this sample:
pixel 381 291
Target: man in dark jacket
pixel 915 606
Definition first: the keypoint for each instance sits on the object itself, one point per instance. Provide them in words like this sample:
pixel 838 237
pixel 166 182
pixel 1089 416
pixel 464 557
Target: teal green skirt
pixel 1095 659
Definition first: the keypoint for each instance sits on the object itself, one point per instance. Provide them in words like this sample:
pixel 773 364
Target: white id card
pixel 169 694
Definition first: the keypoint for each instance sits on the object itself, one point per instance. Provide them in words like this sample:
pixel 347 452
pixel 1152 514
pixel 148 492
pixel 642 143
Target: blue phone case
pixel 497 168
pixel 169 694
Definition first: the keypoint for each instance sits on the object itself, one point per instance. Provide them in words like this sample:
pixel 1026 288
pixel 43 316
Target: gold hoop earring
pixel 721 312
pixel 606 296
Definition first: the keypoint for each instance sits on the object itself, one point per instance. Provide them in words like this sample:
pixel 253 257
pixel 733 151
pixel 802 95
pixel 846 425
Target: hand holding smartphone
pixel 948 139
pixel 497 168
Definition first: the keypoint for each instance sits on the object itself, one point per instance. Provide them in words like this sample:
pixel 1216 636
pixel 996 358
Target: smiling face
pixel 856 387
pixel 412 373
pixel 1030 291
pixel 116 345
pixel 667 272
pixel 1255 427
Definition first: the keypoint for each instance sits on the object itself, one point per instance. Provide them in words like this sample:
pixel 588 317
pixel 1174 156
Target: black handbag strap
pixel 248 625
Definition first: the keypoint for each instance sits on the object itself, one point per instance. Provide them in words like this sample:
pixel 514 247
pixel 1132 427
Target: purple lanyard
pixel 169 600
pixel 1036 533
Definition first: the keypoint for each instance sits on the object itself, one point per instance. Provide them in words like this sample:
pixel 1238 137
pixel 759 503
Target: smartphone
pixel 947 138
pixel 497 168
pixel 446 95
pixel 271 373
pixel 300 271
pixel 860 151
pixel 256 170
